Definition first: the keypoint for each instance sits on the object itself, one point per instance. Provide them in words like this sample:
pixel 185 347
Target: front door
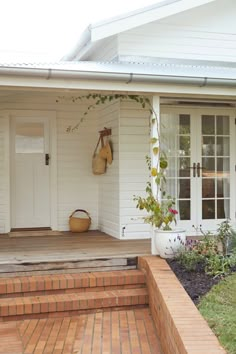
pixel 200 147
pixel 30 172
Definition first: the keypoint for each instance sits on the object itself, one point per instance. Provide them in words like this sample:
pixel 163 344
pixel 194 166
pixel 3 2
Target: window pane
pixel 208 167
pixel 223 209
pixel 184 167
pixel 208 209
pixel 184 145
pixel 208 125
pixel 208 146
pixel 184 210
pixel 184 123
pixel 208 188
pixel 223 166
pixel 223 188
pixel 222 123
pixel 184 188
pixel 29 138
pixel 222 146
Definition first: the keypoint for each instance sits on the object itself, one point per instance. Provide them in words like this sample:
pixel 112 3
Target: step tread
pixel 70 281
pixel 73 301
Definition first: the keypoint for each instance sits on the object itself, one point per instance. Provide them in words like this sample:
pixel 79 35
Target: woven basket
pixel 78 224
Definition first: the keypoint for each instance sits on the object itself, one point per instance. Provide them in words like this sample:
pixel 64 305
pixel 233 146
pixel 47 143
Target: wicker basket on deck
pixel 78 224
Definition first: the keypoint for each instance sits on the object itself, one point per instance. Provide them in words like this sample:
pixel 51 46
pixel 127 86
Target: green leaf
pixel 153 140
pixel 163 164
pixel 155 150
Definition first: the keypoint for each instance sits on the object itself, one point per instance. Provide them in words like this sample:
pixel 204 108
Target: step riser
pixel 70 313
pixel 85 265
pixel 74 290
pixel 23 286
pixel 72 302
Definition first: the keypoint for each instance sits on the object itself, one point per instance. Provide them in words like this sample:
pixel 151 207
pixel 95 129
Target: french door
pixel 201 172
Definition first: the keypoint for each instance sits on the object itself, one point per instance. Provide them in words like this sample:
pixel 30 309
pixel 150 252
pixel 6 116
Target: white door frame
pixel 51 115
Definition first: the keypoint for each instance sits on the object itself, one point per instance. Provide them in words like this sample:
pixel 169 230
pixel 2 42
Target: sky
pixel 39 30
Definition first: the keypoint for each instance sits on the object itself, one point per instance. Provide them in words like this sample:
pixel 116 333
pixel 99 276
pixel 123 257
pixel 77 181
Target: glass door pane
pixel 215 167
pixel 176 142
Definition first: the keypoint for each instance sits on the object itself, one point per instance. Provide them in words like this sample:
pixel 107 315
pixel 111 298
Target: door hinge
pixel 235 121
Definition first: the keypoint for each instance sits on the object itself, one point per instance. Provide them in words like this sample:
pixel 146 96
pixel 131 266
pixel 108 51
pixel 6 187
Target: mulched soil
pixel 196 283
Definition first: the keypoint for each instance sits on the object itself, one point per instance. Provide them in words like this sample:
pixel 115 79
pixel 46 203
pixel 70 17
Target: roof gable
pixel 141 17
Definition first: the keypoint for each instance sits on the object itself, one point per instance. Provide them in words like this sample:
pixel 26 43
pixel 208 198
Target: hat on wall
pixel 105 152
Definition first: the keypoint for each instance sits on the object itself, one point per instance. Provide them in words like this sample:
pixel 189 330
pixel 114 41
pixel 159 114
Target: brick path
pixel 114 332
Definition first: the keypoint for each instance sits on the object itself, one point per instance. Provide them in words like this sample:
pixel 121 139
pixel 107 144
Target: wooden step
pixel 10 268
pixel 68 304
pixel 68 283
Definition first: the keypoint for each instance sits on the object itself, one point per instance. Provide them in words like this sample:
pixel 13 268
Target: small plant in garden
pixel 206 252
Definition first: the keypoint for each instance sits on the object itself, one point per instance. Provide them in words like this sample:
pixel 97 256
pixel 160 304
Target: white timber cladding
pixel 109 197
pixel 106 50
pixel 203 33
pixel 76 186
pixel 134 146
pixel 108 200
pixel 4 174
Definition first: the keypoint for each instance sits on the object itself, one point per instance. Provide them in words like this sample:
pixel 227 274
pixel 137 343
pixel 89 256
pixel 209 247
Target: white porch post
pixel 155 128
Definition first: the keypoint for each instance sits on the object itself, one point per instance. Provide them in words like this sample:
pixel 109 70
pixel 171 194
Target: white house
pixel 179 53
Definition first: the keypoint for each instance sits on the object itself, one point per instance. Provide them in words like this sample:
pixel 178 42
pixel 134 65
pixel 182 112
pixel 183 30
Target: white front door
pixel 200 146
pixel 30 172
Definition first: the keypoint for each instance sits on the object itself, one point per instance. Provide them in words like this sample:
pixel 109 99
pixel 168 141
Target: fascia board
pixel 146 15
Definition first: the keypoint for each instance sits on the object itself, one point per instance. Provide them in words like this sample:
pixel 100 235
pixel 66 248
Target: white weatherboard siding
pixel 109 197
pixel 77 188
pixel 4 173
pixel 204 33
pixel 109 204
pixel 105 51
pixel 134 146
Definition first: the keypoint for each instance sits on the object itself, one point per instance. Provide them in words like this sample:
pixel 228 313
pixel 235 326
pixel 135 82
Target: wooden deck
pixel 20 254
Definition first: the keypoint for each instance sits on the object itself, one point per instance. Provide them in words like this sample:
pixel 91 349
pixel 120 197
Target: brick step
pixel 52 305
pixel 70 283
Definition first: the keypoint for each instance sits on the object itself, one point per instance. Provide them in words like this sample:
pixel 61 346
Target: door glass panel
pixel 222 146
pixel 223 188
pixel 223 167
pixel 176 142
pixel 183 166
pixel 208 125
pixel 184 188
pixel 222 124
pixel 208 188
pixel 184 209
pixel 223 209
pixel 208 146
pixel 29 138
pixel 184 124
pixel 184 145
pixel 208 167
pixel 208 209
pixel 215 169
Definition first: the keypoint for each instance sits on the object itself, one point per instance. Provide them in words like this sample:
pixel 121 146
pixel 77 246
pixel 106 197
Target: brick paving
pixel 114 332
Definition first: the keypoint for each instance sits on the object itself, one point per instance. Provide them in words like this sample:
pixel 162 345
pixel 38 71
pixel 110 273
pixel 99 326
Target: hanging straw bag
pixel 98 163
pixel 78 224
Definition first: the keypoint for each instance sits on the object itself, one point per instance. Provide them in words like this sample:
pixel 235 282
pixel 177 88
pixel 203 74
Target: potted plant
pixel 161 213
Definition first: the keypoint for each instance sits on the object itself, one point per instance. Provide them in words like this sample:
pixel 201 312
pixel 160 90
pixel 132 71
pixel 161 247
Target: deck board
pixel 68 247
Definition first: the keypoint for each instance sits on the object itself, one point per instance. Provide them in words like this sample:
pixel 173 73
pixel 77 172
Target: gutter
pixel 125 77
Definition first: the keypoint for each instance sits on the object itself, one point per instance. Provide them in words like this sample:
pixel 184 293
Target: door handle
pixel 194 169
pixel 47 158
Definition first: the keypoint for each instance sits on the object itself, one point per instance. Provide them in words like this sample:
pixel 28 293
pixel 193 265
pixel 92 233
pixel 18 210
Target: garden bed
pixel 196 283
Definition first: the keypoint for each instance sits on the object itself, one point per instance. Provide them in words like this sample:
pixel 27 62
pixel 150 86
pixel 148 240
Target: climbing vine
pixel 162 210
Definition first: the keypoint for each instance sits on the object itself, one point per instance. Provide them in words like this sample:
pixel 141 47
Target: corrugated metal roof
pixel 165 69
